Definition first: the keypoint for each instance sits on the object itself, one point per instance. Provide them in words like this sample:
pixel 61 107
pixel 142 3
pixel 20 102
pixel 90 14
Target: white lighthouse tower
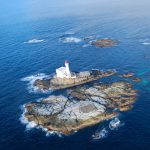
pixel 64 72
pixel 67 69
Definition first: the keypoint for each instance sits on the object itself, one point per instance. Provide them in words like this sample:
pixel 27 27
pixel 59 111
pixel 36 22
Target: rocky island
pixel 81 107
pixel 104 43
pixel 64 78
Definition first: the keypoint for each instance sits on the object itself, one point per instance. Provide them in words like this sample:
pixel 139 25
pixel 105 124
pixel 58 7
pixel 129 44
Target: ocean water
pixel 37 47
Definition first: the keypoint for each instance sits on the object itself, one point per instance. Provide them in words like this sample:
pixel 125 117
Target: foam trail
pixel 33 41
pixel 31 79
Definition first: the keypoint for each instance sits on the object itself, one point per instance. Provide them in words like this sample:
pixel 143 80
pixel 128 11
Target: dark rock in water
pixel 136 79
pixel 104 43
pixel 82 107
pixel 127 75
pixel 42 84
pixel 56 83
pixel 131 76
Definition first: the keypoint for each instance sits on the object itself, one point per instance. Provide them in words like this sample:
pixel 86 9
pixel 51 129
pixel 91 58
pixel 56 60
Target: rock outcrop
pixel 131 76
pixel 56 83
pixel 104 43
pixel 82 106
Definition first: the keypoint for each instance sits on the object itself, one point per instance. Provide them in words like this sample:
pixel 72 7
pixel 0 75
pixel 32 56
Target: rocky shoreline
pixel 81 107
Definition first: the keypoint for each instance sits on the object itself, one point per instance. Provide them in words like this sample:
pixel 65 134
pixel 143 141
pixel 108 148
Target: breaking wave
pixel 33 41
pixel 70 40
pixel 23 120
pixel 31 79
pixel 31 124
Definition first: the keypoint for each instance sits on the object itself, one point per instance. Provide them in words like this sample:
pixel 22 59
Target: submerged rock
pixel 104 43
pixel 131 76
pixel 127 75
pixel 83 106
pixel 56 83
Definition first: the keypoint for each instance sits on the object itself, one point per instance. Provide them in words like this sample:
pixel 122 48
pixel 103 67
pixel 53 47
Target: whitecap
pixel 69 33
pixel 70 40
pixel 31 79
pixel 86 45
pixel 146 43
pixel 33 41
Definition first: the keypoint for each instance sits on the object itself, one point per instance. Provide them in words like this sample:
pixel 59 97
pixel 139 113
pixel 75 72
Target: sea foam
pixel 115 124
pixel 70 40
pixel 33 41
pixel 31 125
pixel 31 79
pixel 23 120
pixel 146 43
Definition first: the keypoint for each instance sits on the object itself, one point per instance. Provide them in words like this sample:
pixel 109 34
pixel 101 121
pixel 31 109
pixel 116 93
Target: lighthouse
pixel 64 72
pixel 67 69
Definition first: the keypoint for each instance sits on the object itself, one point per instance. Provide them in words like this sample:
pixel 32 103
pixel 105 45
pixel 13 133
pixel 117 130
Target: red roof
pixel 66 62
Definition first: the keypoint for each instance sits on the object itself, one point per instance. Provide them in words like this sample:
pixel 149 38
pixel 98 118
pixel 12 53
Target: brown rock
pixel 104 43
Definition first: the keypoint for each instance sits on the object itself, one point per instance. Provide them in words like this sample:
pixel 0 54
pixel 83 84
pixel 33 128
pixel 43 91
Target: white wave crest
pixel 86 45
pixel 33 41
pixel 146 43
pixel 31 79
pixel 69 33
pixel 70 40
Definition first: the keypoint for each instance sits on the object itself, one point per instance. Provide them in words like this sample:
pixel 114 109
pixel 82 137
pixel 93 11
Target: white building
pixel 64 72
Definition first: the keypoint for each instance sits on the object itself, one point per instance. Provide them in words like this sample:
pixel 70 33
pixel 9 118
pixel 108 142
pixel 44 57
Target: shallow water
pixel 19 60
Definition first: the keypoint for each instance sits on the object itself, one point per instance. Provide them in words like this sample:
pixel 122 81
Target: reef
pixel 104 43
pixel 131 76
pixel 56 83
pixel 81 107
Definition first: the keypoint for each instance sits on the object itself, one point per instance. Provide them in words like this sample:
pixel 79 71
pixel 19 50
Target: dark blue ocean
pixel 58 39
